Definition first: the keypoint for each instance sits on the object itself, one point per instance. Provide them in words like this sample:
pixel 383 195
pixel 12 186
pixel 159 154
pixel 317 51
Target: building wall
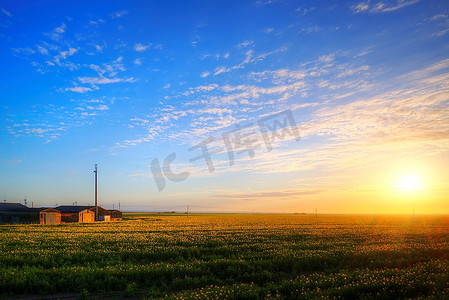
pixel 69 217
pixel 14 217
pixel 101 211
pixel 104 218
pixel 53 216
pixel 86 216
pixel 116 214
pixel 50 218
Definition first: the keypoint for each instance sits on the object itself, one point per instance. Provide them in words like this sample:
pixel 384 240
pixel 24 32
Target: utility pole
pixel 96 192
pixel 316 213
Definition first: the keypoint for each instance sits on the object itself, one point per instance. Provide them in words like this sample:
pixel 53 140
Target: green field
pixel 230 256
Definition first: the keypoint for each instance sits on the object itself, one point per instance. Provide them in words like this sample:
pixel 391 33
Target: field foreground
pixel 230 256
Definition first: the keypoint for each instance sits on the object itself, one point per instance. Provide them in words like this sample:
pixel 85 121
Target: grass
pixel 230 256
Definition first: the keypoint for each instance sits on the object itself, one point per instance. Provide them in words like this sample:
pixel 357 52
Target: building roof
pixel 72 208
pixel 47 209
pixel 101 211
pixel 12 207
pixel 62 208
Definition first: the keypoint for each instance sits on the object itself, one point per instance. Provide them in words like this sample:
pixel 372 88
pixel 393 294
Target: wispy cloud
pixel 381 7
pixel 103 80
pixel 51 121
pixel 57 33
pixel 24 51
pixel 441 32
pixel 412 118
pixel 42 50
pixel 205 74
pixel 142 47
pixel 109 68
pixel 100 107
pixel 360 8
pixel 245 44
pixel 119 14
pixel 279 76
pixel 96 22
pixel 250 57
pixel 213 107
pixel 276 194
pixel 65 54
pixel 304 11
pixel 264 2
pixel 79 89
pixel 4 11
pixel 60 59
pixel 442 21
pixel 196 40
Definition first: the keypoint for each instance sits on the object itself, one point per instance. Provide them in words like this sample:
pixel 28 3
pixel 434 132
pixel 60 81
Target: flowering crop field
pixel 230 257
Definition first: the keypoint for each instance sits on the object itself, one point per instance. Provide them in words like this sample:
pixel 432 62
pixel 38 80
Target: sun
pixel 408 183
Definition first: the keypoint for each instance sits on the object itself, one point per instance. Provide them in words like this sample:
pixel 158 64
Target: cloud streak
pixel 7 13
pixel 141 47
pixel 381 7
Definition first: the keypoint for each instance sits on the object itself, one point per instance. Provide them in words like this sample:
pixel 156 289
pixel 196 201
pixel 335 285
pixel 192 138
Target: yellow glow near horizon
pixel 408 183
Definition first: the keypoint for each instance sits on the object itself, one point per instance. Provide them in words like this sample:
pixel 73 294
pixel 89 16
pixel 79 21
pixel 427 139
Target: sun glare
pixel 408 183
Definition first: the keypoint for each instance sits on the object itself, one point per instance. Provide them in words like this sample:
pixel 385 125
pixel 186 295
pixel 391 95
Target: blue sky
pixel 124 83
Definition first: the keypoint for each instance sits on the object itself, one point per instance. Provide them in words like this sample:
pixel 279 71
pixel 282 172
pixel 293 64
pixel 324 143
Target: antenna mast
pixel 96 192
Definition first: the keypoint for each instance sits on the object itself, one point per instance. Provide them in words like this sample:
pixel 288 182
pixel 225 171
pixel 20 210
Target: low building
pixel 86 214
pixel 103 214
pixel 104 218
pixel 14 213
pixel 81 214
pixel 116 215
pixel 49 216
